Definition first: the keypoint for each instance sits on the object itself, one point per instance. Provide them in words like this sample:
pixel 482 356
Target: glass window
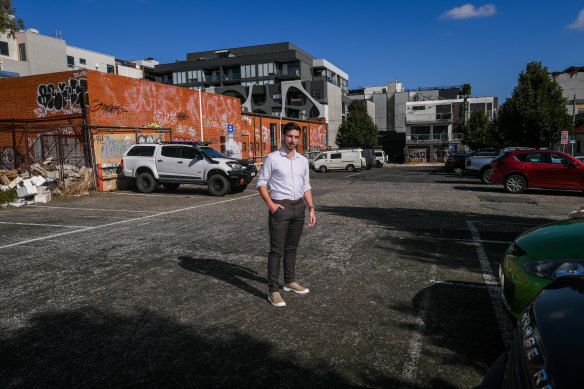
pixel 559 159
pixel 336 156
pixel 273 135
pixel 170 151
pixel 82 61
pixel 419 107
pixel 3 48
pixel 110 69
pixel 531 157
pixel 70 61
pixel 179 78
pixel 22 51
pixel 189 153
pixel 316 94
pixel 141 151
pixel 211 152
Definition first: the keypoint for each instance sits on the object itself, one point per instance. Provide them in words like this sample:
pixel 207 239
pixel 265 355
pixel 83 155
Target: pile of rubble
pixel 46 181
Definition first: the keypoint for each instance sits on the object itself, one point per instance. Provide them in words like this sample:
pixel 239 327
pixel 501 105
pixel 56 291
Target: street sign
pixel 230 128
pixel 572 140
pixel 564 137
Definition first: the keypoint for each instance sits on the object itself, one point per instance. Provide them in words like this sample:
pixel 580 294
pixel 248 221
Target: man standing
pixel 286 171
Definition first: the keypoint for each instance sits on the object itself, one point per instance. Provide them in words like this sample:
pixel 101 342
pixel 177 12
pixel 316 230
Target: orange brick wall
pixel 258 129
pixel 122 101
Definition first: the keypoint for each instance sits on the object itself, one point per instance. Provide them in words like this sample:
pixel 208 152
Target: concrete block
pixel 43 198
pixel 15 182
pixel 37 180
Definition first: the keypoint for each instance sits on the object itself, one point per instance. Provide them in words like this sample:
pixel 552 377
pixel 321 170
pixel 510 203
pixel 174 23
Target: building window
pixel 250 146
pixel 257 146
pixel 167 79
pixel 110 69
pixel 22 51
pixel 195 76
pixel 273 137
pixel 82 61
pixel 3 48
pixel 316 94
pixel 419 107
pixel 248 71
pixel 265 69
pixel 179 78
pixel 70 61
pixel 277 97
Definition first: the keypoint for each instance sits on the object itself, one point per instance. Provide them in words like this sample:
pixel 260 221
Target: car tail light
pixel 122 165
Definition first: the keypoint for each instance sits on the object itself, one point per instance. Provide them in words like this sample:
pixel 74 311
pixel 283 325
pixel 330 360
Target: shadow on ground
pixel 92 348
pixel 452 322
pixel 224 271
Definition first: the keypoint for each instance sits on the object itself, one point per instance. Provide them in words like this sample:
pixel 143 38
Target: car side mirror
pixel 569 163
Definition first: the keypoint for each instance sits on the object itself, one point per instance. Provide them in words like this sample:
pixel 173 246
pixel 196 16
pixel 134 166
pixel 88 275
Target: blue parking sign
pixel 230 128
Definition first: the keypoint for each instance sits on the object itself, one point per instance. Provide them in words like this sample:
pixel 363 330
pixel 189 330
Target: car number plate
pixel 252 174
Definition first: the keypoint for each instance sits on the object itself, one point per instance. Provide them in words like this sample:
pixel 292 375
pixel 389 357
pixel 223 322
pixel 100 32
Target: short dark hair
pixel 290 126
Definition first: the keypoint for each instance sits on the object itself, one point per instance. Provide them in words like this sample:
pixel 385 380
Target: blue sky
pixel 420 43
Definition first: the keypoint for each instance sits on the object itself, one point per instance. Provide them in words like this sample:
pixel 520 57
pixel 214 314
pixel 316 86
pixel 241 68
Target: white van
pixel 379 156
pixel 340 159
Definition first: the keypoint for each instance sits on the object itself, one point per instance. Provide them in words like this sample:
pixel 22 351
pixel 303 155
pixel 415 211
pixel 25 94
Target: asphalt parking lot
pixel 169 289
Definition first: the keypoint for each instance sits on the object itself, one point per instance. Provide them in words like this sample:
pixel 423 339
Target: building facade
pixel 571 81
pixel 274 79
pixel 32 53
pixel 430 119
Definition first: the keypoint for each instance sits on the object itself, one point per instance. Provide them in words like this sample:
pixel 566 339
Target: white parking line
pixel 91 209
pixel 44 225
pixel 153 195
pixel 123 221
pixel 505 326
pixel 459 283
pixel 411 367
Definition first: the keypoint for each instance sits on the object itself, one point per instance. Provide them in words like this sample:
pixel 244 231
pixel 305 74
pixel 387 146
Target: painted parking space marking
pixel 122 221
pixel 156 195
pixel 409 372
pixel 460 284
pixel 44 225
pixel 91 209
pixel 505 325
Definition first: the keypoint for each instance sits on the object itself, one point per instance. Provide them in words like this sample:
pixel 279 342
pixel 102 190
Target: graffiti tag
pixel 114 109
pixel 64 95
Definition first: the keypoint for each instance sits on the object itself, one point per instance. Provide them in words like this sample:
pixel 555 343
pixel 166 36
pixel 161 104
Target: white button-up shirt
pixel 288 178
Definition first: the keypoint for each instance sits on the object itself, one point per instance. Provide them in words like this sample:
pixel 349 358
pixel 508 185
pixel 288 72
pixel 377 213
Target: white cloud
pixel 579 23
pixel 469 11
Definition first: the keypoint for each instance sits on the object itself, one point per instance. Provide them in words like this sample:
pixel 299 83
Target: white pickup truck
pixel 172 164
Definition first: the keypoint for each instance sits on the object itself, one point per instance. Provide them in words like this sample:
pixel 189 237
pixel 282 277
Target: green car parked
pixel 539 256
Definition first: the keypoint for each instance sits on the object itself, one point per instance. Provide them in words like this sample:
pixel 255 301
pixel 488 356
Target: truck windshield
pixel 211 152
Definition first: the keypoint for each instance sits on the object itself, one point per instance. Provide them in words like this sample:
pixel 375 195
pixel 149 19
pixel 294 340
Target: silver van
pixel 340 159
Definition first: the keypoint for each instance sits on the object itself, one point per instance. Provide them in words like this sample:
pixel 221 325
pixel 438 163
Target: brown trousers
pixel 285 230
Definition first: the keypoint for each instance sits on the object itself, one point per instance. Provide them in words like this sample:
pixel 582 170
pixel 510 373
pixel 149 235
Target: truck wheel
pixel 238 188
pixel 322 169
pixel 486 176
pixel 145 183
pixel 515 183
pixel 458 170
pixel 350 168
pixel 171 186
pixel 218 185
pixel 378 164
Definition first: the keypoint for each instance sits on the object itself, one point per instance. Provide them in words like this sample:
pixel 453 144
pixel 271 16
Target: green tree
pixel 8 23
pixel 535 113
pixel 476 131
pixel 358 130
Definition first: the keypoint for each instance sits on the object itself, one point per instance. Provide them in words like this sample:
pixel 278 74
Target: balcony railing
pixel 288 72
pixel 428 117
pixel 442 137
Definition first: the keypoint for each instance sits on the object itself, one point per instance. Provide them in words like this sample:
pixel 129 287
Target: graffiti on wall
pixel 8 158
pixel 109 148
pixel 440 155
pixel 317 136
pixel 417 155
pixel 65 97
pixel 150 138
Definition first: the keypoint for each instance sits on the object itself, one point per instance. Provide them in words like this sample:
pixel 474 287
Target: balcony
pixel 434 138
pixel 430 117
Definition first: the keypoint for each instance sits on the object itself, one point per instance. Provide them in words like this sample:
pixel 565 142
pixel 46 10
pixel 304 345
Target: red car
pixel 519 169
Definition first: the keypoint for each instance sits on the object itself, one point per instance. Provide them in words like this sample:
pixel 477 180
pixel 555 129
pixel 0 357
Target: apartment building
pixel 571 81
pixel 278 79
pixel 32 53
pixel 427 121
